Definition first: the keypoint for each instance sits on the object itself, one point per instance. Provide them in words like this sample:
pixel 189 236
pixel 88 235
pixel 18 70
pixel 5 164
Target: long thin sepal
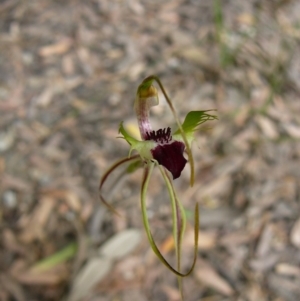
pixel 179 221
pixel 178 215
pixel 145 183
pixel 105 176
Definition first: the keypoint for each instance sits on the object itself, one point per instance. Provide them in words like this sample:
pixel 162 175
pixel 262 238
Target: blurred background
pixel 69 73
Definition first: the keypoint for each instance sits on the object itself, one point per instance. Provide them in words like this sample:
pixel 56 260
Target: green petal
pixel 194 119
pixel 135 159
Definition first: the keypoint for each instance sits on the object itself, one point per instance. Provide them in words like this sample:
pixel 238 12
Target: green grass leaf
pixel 57 258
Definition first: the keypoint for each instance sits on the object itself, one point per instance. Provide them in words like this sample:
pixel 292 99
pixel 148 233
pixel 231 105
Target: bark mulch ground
pixel 69 73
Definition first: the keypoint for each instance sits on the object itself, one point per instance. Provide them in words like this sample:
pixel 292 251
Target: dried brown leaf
pixel 92 273
pixel 207 239
pixel 121 244
pixel 292 129
pixel 295 234
pixel 267 126
pixel 208 276
pixel 45 98
pixel 55 276
pixel 35 227
pixel 287 269
pixel 56 49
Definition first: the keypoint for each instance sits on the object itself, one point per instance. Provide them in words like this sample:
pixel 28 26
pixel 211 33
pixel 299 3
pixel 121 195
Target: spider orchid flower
pixel 163 149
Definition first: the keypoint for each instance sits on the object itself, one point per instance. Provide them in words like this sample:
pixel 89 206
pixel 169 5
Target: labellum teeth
pixel 161 136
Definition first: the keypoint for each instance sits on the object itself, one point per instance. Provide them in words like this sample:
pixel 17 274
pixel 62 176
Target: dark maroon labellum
pixel 171 157
pixel 168 153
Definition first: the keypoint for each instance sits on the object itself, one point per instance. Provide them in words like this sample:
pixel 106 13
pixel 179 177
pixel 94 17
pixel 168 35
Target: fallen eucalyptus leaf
pixel 121 244
pixel 91 274
pixel 295 234
pixel 208 276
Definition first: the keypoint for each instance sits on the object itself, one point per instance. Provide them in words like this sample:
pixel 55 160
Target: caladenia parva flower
pixel 163 149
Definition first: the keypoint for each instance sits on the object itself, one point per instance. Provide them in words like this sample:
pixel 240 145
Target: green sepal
pixel 131 140
pixel 142 147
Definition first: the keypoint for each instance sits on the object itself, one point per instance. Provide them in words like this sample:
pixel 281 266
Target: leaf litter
pixel 69 72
